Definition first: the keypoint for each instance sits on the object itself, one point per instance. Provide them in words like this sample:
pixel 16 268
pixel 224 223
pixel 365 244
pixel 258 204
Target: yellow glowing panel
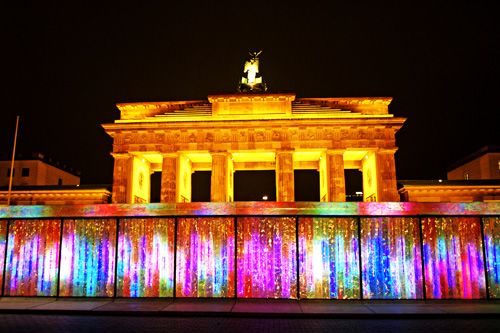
pixel 152 157
pixel 307 156
pixel 199 157
pixel 354 155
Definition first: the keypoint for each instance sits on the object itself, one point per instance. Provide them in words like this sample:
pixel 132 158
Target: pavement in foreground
pixel 50 323
pixel 259 308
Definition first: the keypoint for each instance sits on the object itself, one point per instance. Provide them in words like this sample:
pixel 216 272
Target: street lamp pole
pixel 12 163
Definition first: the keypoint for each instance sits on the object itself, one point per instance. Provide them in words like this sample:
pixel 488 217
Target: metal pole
pixel 12 162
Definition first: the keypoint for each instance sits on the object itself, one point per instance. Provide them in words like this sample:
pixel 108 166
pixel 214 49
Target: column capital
pixel 220 152
pixel 117 156
pixel 173 155
pixel 335 151
pixel 284 151
pixel 387 150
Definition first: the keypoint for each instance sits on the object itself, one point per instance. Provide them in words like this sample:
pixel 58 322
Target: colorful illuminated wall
pixel 492 252
pixel 32 258
pixel 267 257
pixel 392 262
pixel 145 265
pixel 88 257
pixel 453 257
pixel 349 255
pixel 329 257
pixel 3 242
pixel 205 257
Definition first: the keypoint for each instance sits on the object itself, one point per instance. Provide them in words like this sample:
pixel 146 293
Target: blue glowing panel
pixel 391 258
pixel 88 258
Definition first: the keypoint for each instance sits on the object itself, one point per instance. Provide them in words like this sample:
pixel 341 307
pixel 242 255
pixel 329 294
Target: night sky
pixel 64 67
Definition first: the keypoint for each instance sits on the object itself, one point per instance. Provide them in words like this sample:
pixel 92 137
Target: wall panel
pixel 205 257
pixel 329 257
pixel 88 258
pixel 492 251
pixel 145 261
pixel 3 243
pixel 32 258
pixel 391 258
pixel 267 262
pixel 453 257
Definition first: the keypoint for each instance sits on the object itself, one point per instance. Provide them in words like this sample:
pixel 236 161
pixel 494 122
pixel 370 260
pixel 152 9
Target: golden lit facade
pixel 254 132
pixel 57 195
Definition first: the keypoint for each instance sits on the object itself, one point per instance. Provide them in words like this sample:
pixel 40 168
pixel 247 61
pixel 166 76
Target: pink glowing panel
pixel 391 258
pixel 329 257
pixel 453 257
pixel 32 258
pixel 88 258
pixel 267 257
pixel 205 257
pixel 3 239
pixel 492 251
pixel 145 266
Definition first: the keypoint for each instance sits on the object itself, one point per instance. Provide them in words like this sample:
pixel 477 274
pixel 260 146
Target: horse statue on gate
pixel 252 81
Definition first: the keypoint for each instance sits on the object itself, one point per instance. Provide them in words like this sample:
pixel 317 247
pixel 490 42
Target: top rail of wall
pixel 254 209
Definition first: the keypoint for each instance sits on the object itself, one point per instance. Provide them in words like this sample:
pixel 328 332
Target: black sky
pixel 66 65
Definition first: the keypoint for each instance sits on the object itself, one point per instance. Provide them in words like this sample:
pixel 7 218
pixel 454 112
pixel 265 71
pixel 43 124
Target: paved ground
pixel 252 308
pixel 76 323
pixel 228 315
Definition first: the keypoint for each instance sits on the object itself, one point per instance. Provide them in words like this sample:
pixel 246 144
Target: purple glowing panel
pixel 145 266
pixel 453 257
pixel 32 258
pixel 492 250
pixel 88 258
pixel 3 239
pixel 205 257
pixel 267 257
pixel 391 258
pixel 329 257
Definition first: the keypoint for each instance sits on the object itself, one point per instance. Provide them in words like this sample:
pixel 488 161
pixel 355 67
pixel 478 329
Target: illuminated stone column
pixel 184 171
pixel 284 176
pixel 121 176
pixel 323 177
pixel 370 181
pixel 386 176
pixel 140 180
pixel 169 178
pixel 220 187
pixel 335 175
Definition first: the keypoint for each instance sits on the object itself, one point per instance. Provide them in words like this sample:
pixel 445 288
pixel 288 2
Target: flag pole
pixel 12 162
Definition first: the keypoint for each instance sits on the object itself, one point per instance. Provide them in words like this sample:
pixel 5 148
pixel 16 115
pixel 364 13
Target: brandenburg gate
pixel 254 130
pixel 249 131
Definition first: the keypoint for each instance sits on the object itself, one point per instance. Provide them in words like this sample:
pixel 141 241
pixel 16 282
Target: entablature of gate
pixel 263 135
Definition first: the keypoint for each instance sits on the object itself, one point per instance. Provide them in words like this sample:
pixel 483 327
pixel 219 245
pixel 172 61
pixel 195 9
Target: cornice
pixel 393 122
pixel 349 100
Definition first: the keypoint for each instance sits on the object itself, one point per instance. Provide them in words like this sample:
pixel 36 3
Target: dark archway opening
pixel 306 185
pixel 353 185
pixel 200 186
pixel 155 188
pixel 255 185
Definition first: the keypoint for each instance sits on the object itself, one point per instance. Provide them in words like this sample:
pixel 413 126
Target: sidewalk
pixel 252 308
